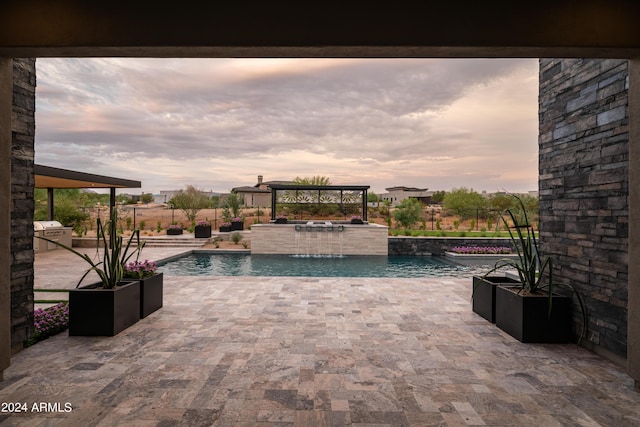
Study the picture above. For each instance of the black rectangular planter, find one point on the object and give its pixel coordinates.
(203, 232)
(484, 295)
(95, 311)
(151, 293)
(237, 226)
(174, 231)
(525, 317)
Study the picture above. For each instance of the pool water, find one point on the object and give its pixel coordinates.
(234, 264)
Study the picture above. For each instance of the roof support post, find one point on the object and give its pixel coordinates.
(50, 204)
(364, 205)
(273, 204)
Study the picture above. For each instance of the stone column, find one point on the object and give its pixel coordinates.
(6, 98)
(633, 331)
(22, 204)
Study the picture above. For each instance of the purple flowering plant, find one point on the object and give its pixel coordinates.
(236, 219)
(481, 250)
(140, 269)
(203, 224)
(225, 224)
(356, 217)
(174, 227)
(49, 321)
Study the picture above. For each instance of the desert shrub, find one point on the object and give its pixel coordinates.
(236, 237)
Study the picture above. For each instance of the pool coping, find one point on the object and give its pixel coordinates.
(202, 251)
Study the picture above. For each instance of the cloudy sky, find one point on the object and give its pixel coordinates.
(219, 123)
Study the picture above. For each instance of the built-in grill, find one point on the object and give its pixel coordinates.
(52, 230)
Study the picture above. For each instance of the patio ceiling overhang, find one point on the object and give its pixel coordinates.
(50, 177)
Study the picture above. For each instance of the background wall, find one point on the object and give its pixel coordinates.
(437, 246)
(584, 208)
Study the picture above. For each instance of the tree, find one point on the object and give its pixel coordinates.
(385, 211)
(146, 198)
(123, 198)
(372, 197)
(314, 180)
(437, 197)
(190, 201)
(408, 212)
(68, 204)
(501, 202)
(464, 202)
(67, 214)
(231, 207)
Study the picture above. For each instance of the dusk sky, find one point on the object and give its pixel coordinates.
(219, 123)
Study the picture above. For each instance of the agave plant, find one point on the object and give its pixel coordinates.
(531, 269)
(115, 256)
(535, 273)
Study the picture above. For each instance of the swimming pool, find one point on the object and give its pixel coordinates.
(242, 264)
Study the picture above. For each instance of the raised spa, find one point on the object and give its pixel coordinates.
(319, 238)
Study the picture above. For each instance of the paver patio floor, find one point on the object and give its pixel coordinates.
(306, 351)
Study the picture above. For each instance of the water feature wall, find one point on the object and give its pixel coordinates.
(319, 238)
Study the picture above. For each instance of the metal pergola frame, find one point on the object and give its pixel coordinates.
(341, 188)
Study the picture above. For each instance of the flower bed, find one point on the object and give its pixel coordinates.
(49, 321)
(140, 269)
(481, 250)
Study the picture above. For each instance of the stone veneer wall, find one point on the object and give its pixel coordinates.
(583, 162)
(368, 239)
(22, 160)
(437, 246)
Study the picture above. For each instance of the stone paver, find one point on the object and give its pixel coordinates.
(270, 351)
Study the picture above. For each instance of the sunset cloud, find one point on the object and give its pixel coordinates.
(218, 123)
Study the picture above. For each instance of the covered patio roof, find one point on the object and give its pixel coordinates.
(50, 177)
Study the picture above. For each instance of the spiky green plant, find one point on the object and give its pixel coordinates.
(535, 273)
(115, 255)
(529, 266)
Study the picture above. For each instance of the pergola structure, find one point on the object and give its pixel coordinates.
(51, 178)
(319, 195)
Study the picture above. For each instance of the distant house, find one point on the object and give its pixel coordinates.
(397, 194)
(258, 194)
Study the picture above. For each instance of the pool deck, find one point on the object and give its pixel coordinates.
(256, 351)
